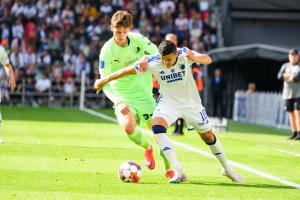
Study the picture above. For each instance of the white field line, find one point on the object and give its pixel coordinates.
(288, 152)
(101, 115)
(198, 151)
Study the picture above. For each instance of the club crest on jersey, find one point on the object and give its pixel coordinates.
(138, 49)
(172, 70)
(182, 66)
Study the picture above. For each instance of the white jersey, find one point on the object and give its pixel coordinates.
(3, 56)
(177, 85)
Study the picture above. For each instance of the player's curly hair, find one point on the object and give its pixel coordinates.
(122, 18)
(166, 47)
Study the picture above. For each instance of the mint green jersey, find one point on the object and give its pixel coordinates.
(131, 88)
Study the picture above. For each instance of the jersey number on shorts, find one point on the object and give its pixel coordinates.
(147, 116)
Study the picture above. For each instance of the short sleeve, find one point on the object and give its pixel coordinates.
(104, 62)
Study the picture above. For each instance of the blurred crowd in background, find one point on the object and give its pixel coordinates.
(49, 42)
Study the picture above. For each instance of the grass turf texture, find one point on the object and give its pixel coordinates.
(52, 153)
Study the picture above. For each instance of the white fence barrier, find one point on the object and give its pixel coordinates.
(262, 108)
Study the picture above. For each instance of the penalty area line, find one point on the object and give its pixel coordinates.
(204, 153)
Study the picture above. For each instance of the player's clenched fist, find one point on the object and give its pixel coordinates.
(189, 54)
(143, 64)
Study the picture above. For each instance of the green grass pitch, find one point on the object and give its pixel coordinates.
(53, 153)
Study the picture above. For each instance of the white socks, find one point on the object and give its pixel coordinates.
(167, 148)
(218, 151)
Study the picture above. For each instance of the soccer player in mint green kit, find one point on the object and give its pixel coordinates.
(132, 95)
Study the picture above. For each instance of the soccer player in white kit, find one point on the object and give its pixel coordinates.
(9, 71)
(179, 98)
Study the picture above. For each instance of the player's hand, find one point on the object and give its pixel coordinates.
(189, 54)
(12, 83)
(123, 108)
(288, 77)
(99, 83)
(143, 64)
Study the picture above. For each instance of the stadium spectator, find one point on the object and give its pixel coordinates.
(198, 74)
(5, 31)
(17, 9)
(42, 8)
(117, 4)
(17, 58)
(167, 5)
(17, 29)
(218, 87)
(181, 24)
(290, 74)
(30, 10)
(29, 90)
(106, 7)
(251, 88)
(43, 84)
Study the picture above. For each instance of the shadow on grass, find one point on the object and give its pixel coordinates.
(257, 129)
(52, 114)
(268, 186)
(240, 185)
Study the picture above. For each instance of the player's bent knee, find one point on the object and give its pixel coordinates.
(158, 129)
(129, 129)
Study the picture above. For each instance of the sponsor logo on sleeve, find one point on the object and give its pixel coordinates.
(101, 64)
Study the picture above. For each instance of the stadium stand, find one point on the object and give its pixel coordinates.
(54, 40)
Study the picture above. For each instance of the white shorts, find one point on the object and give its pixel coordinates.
(195, 117)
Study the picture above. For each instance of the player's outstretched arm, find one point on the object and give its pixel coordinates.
(198, 57)
(99, 83)
(139, 67)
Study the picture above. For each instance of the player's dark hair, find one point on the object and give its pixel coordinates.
(166, 47)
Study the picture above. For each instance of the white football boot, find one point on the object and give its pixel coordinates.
(232, 175)
(178, 177)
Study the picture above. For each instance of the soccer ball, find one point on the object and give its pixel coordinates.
(130, 172)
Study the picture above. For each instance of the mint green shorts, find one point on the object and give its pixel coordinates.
(143, 110)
